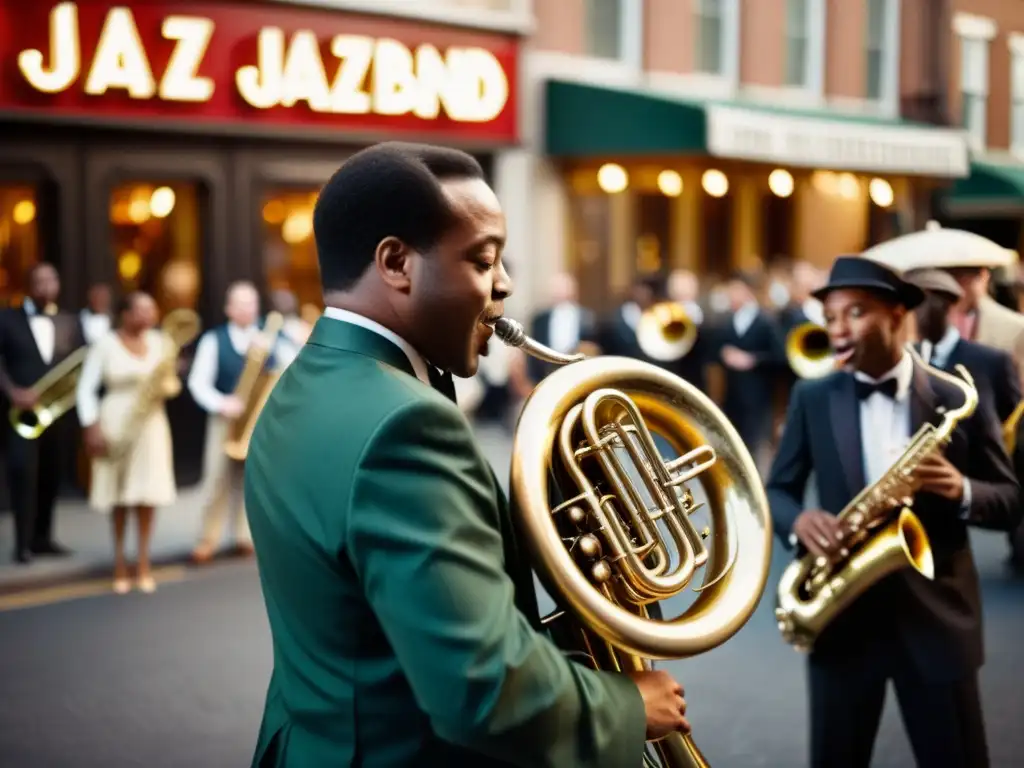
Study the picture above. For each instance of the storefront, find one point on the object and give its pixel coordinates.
(653, 182)
(990, 201)
(177, 146)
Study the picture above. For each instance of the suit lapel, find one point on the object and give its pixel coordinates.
(844, 412)
(30, 338)
(922, 399)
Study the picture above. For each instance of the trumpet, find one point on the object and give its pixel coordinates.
(809, 351)
(666, 332)
(55, 396)
(620, 537)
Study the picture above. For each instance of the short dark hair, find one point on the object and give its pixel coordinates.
(391, 189)
(127, 302)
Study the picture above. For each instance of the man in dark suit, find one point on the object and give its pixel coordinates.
(924, 635)
(34, 338)
(399, 592)
(751, 349)
(994, 371)
(563, 326)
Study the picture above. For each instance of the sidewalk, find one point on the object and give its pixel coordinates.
(88, 533)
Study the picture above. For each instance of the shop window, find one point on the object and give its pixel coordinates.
(716, 255)
(19, 240)
(289, 250)
(653, 217)
(156, 239)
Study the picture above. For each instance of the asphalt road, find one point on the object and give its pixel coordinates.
(177, 679)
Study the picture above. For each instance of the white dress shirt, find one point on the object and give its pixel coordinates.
(631, 313)
(419, 364)
(943, 348)
(564, 327)
(42, 329)
(203, 375)
(744, 317)
(814, 311)
(885, 426)
(94, 326)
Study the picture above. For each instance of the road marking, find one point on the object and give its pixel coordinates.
(77, 590)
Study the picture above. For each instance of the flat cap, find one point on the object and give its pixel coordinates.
(935, 281)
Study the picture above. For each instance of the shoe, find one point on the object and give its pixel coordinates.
(244, 550)
(202, 554)
(147, 584)
(23, 557)
(51, 548)
(122, 586)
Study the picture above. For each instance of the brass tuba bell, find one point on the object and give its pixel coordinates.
(56, 394)
(809, 351)
(666, 332)
(608, 517)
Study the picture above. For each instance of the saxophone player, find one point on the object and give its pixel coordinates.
(923, 635)
(121, 362)
(216, 369)
(400, 599)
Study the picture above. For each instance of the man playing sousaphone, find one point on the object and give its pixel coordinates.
(919, 627)
(216, 371)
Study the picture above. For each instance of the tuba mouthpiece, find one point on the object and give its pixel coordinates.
(512, 334)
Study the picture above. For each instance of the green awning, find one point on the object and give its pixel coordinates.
(588, 121)
(994, 185)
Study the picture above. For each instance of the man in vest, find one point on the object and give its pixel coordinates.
(220, 358)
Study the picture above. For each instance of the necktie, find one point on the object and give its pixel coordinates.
(442, 382)
(865, 389)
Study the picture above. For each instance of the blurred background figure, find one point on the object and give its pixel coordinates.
(119, 367)
(96, 317)
(617, 334)
(295, 330)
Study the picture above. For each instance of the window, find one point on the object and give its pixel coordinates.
(604, 28)
(875, 54)
(19, 240)
(974, 88)
(709, 33)
(797, 42)
(155, 235)
(1017, 93)
(289, 250)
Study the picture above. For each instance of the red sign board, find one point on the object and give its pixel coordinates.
(256, 64)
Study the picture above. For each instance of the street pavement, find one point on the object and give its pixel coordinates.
(178, 677)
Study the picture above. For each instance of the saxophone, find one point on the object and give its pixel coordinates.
(179, 328)
(253, 388)
(880, 533)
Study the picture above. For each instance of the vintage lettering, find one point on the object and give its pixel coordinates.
(181, 80)
(65, 54)
(356, 55)
(303, 77)
(260, 84)
(120, 60)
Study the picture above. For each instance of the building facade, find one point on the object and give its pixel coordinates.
(718, 134)
(976, 59)
(175, 147)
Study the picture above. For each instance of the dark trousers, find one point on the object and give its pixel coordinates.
(34, 471)
(943, 720)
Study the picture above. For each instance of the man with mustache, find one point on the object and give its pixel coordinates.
(924, 635)
(400, 597)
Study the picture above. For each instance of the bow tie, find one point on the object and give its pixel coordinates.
(865, 389)
(442, 382)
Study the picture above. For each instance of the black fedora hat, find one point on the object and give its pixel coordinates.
(868, 275)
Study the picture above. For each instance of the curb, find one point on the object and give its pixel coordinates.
(91, 571)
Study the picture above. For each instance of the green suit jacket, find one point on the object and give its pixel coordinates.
(401, 606)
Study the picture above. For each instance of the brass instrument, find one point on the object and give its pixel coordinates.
(809, 351)
(1010, 428)
(55, 396)
(880, 533)
(666, 332)
(253, 388)
(605, 552)
(179, 327)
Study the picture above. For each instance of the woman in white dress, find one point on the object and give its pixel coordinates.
(137, 474)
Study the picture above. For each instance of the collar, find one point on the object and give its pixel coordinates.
(33, 311)
(419, 364)
(944, 347)
(903, 372)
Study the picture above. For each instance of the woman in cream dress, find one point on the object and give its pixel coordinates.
(142, 478)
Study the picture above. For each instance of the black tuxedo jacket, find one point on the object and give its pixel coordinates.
(20, 361)
(747, 390)
(994, 374)
(540, 329)
(937, 621)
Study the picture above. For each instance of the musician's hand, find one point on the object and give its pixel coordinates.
(231, 407)
(95, 444)
(23, 399)
(663, 703)
(936, 475)
(737, 359)
(819, 531)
